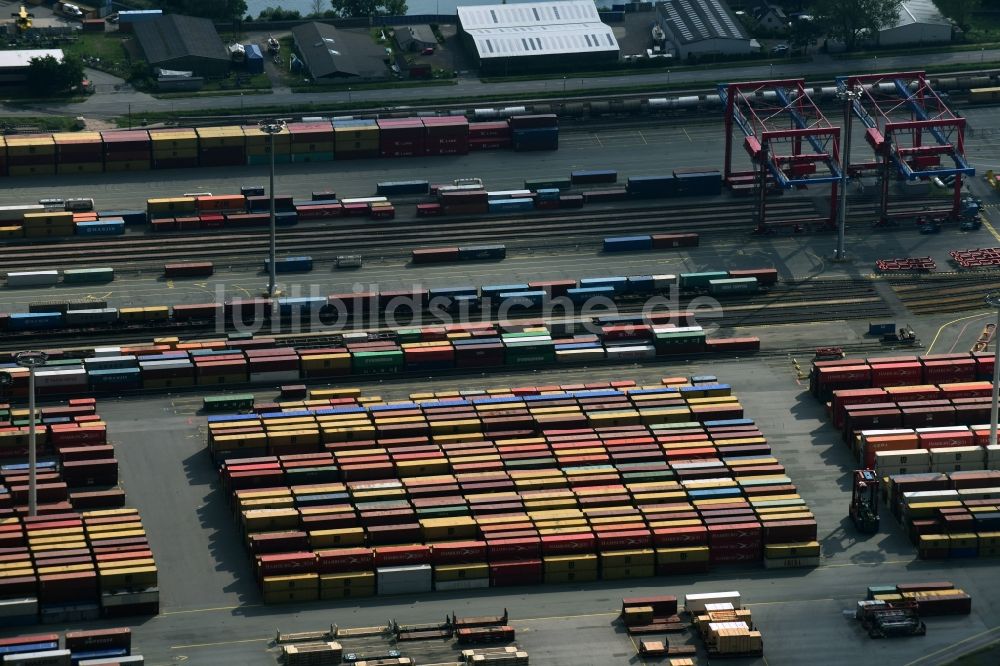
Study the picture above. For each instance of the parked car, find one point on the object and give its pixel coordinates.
(780, 49)
(428, 51)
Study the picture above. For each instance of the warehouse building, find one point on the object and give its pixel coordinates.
(14, 64)
(522, 37)
(183, 43)
(703, 27)
(329, 53)
(919, 22)
(415, 37)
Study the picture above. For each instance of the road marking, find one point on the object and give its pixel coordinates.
(946, 325)
(958, 338)
(206, 610)
(643, 138)
(220, 643)
(687, 135)
(951, 647)
(989, 227)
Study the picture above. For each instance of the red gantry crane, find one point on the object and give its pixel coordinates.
(912, 133)
(789, 141)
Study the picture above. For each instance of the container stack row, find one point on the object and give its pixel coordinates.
(83, 556)
(515, 486)
(86, 648)
(406, 351)
(234, 145)
(857, 373)
(932, 598)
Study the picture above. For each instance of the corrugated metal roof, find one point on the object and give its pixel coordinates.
(537, 28)
(23, 57)
(697, 20)
(174, 36)
(919, 11)
(528, 13)
(544, 40)
(328, 51)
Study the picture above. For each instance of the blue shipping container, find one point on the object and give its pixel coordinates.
(129, 216)
(595, 176)
(651, 186)
(493, 289)
(627, 243)
(641, 284)
(109, 227)
(403, 187)
(511, 205)
(30, 321)
(531, 299)
(287, 306)
(620, 284)
(290, 264)
(582, 294)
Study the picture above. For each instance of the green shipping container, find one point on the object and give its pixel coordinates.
(561, 183)
(442, 511)
(367, 363)
(215, 403)
(408, 335)
(701, 280)
(88, 275)
(733, 286)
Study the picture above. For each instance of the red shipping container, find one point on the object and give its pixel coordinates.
(341, 560)
(99, 639)
(286, 564)
(516, 572)
(936, 440)
(458, 552)
(507, 549)
(624, 540)
(896, 374)
(949, 371)
(844, 374)
(388, 556)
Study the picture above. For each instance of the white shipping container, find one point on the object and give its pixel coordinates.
(166, 364)
(148, 596)
(67, 377)
(114, 661)
(664, 281)
(918, 496)
(46, 658)
(579, 355)
(355, 336)
(707, 464)
(948, 466)
(904, 457)
(16, 213)
(944, 429)
(979, 493)
(631, 352)
(32, 278)
(464, 584)
(695, 603)
(276, 376)
(718, 608)
(404, 580)
(107, 351)
(967, 454)
(18, 607)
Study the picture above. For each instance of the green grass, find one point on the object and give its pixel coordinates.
(943, 48)
(636, 70)
(103, 51)
(375, 85)
(43, 123)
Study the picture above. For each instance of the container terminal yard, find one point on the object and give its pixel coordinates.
(790, 464)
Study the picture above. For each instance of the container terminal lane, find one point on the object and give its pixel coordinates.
(211, 608)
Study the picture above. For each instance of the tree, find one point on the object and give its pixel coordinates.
(316, 7)
(365, 8)
(850, 20)
(48, 76)
(959, 11)
(803, 34)
(278, 14)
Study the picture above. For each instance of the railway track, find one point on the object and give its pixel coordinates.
(787, 303)
(347, 235)
(941, 294)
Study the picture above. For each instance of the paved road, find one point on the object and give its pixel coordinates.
(822, 68)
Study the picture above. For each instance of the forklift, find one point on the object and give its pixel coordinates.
(864, 501)
(892, 619)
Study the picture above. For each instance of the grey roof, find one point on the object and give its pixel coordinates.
(697, 20)
(328, 51)
(420, 33)
(537, 28)
(918, 11)
(173, 36)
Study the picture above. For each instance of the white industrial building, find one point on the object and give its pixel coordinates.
(14, 64)
(702, 27)
(504, 39)
(919, 22)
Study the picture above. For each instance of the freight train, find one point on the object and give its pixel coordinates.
(526, 297)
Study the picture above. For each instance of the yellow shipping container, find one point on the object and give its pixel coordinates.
(685, 554)
(444, 572)
(18, 146)
(564, 563)
(318, 394)
(66, 569)
(267, 520)
(228, 136)
(346, 536)
(628, 558)
(458, 527)
(128, 577)
(308, 581)
(348, 434)
(352, 579)
(787, 550)
(325, 361)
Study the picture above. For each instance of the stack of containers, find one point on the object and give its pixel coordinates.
(538, 132)
(258, 146)
(354, 139)
(697, 182)
(127, 574)
(167, 370)
(311, 142)
(223, 367)
(31, 155)
(651, 187)
(222, 146)
(79, 152)
(401, 137)
(3, 157)
(43, 225)
(489, 136)
(174, 148)
(508, 483)
(127, 150)
(273, 365)
(468, 202)
(446, 135)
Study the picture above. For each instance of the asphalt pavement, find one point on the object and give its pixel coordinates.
(822, 68)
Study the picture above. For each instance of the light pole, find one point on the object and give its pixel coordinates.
(993, 300)
(32, 360)
(272, 127)
(564, 84)
(849, 96)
